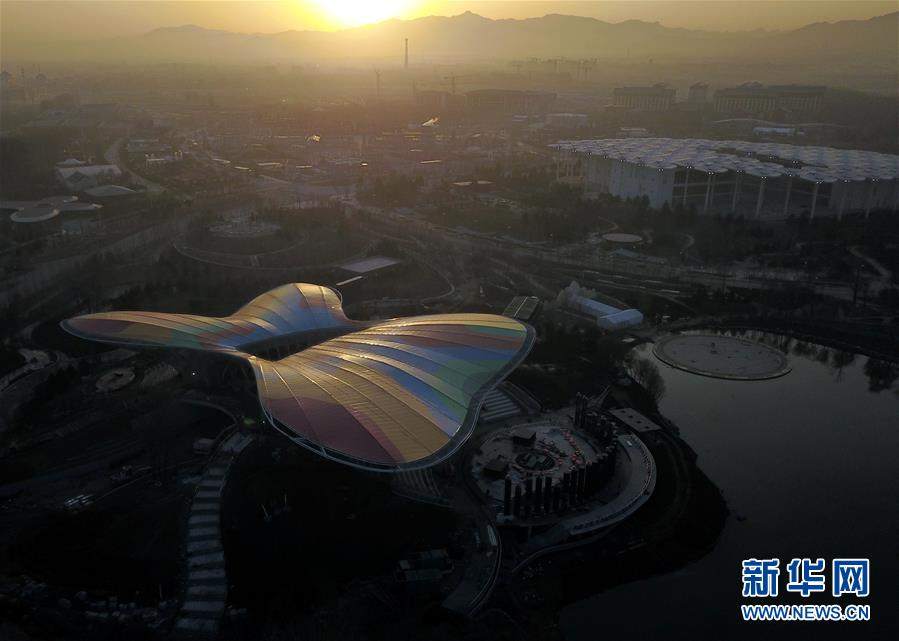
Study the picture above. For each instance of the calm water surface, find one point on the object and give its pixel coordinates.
(810, 463)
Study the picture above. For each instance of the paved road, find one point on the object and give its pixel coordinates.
(113, 156)
(530, 253)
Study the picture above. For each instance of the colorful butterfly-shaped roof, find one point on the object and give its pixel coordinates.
(395, 394)
(289, 309)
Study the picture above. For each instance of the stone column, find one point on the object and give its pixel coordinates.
(758, 203)
(787, 199)
(845, 184)
(708, 192)
(737, 181)
(868, 197)
(814, 199)
(538, 494)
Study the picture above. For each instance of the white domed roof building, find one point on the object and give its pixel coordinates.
(768, 181)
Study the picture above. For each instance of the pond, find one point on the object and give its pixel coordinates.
(808, 466)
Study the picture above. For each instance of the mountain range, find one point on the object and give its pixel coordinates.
(470, 37)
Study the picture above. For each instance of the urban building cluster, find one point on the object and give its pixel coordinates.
(792, 103)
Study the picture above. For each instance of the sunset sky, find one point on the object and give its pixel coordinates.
(76, 19)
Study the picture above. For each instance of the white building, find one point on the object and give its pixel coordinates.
(758, 180)
(606, 316)
(81, 177)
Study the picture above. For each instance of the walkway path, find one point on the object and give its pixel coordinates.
(481, 571)
(207, 585)
(885, 280)
(34, 360)
(875, 264)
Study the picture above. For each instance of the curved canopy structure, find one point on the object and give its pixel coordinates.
(286, 310)
(390, 395)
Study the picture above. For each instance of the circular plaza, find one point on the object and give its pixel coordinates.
(622, 238)
(244, 226)
(724, 357)
(115, 379)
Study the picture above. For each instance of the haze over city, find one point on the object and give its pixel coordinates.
(269, 16)
(506, 321)
(46, 21)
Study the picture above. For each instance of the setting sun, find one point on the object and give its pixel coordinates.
(352, 13)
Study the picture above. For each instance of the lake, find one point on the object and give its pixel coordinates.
(809, 466)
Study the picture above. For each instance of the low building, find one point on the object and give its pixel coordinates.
(698, 94)
(583, 301)
(82, 177)
(634, 420)
(145, 146)
(506, 102)
(100, 120)
(524, 436)
(369, 266)
(522, 307)
(567, 120)
(42, 211)
(606, 316)
(71, 162)
(472, 185)
(155, 160)
(496, 468)
(658, 97)
(436, 101)
(755, 100)
(434, 559)
(109, 191)
(422, 581)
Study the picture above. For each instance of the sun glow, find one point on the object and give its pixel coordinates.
(352, 13)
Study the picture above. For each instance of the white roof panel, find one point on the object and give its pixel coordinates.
(821, 164)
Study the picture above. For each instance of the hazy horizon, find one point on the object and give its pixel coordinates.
(91, 30)
(54, 20)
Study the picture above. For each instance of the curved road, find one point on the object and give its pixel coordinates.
(113, 156)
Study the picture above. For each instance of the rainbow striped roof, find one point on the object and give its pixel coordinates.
(390, 395)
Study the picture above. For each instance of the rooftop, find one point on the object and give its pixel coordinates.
(755, 88)
(39, 211)
(67, 172)
(402, 393)
(369, 264)
(769, 160)
(658, 89)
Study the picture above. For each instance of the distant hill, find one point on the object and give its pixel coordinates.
(469, 37)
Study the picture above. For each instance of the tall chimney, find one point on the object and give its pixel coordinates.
(406, 65)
